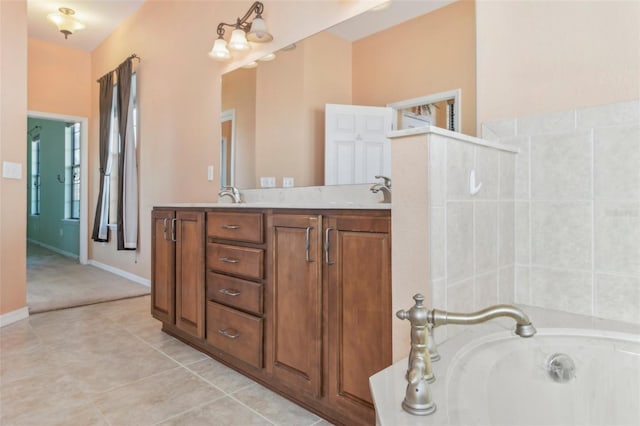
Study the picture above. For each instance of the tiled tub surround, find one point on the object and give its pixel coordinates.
(577, 209)
(468, 240)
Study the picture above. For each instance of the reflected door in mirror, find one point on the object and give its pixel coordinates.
(356, 146)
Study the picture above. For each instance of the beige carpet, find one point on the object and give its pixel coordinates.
(57, 282)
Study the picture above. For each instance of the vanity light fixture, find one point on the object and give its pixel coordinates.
(65, 21)
(243, 32)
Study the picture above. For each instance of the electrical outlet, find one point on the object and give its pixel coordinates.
(268, 182)
(287, 182)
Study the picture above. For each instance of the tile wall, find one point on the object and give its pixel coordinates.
(577, 209)
(471, 236)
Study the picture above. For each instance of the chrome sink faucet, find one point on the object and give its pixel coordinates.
(232, 192)
(385, 187)
(418, 399)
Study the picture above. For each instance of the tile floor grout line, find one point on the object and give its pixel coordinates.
(173, 416)
(252, 409)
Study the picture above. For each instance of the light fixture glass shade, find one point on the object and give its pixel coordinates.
(66, 23)
(238, 40)
(258, 32)
(219, 50)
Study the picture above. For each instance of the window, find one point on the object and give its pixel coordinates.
(35, 176)
(72, 172)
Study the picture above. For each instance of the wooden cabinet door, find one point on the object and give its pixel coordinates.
(190, 272)
(296, 302)
(163, 269)
(357, 271)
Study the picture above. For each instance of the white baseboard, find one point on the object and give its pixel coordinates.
(14, 316)
(132, 277)
(56, 249)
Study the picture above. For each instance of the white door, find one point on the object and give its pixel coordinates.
(356, 146)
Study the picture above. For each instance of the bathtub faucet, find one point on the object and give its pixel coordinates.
(524, 328)
(418, 400)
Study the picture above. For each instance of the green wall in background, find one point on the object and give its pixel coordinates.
(50, 228)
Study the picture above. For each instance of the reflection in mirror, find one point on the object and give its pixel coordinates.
(280, 105)
(227, 148)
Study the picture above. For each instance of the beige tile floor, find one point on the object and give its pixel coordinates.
(109, 364)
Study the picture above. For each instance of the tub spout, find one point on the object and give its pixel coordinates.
(524, 328)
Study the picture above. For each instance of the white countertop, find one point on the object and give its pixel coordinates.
(311, 197)
(323, 205)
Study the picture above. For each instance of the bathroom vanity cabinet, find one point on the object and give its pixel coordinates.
(299, 300)
(177, 271)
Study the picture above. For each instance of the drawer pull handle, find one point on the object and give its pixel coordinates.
(230, 226)
(231, 333)
(228, 260)
(231, 292)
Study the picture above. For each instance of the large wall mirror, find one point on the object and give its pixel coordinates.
(428, 52)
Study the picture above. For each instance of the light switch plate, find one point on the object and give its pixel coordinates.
(11, 170)
(210, 173)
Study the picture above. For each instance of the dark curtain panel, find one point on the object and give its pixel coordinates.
(106, 105)
(124, 93)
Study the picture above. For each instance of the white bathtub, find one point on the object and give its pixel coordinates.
(489, 376)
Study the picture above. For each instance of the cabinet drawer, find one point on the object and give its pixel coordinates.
(235, 226)
(235, 333)
(235, 292)
(243, 261)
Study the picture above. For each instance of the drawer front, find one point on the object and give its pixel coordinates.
(242, 261)
(235, 292)
(235, 333)
(235, 226)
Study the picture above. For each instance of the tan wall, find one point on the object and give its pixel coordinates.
(328, 79)
(59, 79)
(239, 93)
(13, 128)
(549, 56)
(291, 93)
(429, 54)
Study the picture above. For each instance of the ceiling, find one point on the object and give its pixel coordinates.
(375, 21)
(101, 18)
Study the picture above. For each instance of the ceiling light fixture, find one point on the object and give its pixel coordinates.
(65, 21)
(244, 32)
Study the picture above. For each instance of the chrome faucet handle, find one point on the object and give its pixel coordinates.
(387, 180)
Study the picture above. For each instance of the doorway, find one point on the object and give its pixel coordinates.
(57, 193)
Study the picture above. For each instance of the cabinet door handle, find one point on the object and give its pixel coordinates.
(327, 246)
(173, 229)
(231, 333)
(307, 245)
(228, 292)
(228, 260)
(164, 227)
(230, 226)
